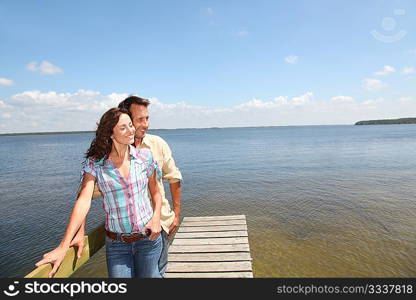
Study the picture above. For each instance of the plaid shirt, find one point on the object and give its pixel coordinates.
(126, 200)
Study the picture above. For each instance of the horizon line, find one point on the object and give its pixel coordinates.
(181, 128)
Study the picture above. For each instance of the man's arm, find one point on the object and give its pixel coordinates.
(176, 192)
(172, 174)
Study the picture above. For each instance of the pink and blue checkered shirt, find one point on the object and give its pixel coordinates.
(126, 200)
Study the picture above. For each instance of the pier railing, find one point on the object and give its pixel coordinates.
(92, 243)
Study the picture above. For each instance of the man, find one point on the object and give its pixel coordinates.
(162, 154)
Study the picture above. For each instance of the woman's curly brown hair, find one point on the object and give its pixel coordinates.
(102, 143)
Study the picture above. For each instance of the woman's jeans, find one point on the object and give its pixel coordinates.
(133, 260)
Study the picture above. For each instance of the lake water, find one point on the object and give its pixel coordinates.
(320, 201)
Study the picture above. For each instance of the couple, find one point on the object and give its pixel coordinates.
(126, 164)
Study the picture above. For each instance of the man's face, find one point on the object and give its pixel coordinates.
(140, 117)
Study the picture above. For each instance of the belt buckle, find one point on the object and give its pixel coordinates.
(127, 235)
(130, 235)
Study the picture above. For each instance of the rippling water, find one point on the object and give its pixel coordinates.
(320, 201)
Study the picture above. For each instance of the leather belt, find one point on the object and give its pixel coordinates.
(127, 237)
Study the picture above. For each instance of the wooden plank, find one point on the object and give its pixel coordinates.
(209, 248)
(92, 243)
(217, 241)
(212, 228)
(214, 218)
(207, 257)
(210, 275)
(213, 223)
(230, 266)
(188, 235)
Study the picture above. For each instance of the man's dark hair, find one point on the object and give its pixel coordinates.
(126, 103)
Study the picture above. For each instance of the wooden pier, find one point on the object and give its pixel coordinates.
(215, 247)
(211, 247)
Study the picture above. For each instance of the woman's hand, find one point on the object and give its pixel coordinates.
(55, 257)
(78, 242)
(154, 226)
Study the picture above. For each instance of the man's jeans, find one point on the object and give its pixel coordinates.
(133, 260)
(163, 260)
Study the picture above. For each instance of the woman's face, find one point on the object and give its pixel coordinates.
(123, 132)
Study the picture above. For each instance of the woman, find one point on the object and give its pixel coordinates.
(123, 174)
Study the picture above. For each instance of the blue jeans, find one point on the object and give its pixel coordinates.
(133, 260)
(163, 260)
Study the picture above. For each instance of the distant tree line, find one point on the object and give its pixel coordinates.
(388, 121)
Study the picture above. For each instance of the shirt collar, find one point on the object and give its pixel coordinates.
(133, 154)
(145, 141)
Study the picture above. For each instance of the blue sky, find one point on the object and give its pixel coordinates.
(206, 63)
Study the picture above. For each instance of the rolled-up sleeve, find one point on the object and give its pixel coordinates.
(88, 167)
(169, 170)
(152, 167)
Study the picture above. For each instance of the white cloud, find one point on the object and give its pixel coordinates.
(4, 105)
(408, 70)
(44, 67)
(372, 84)
(303, 99)
(280, 99)
(82, 100)
(32, 111)
(256, 104)
(277, 102)
(376, 103)
(5, 82)
(209, 11)
(298, 110)
(48, 68)
(386, 70)
(53, 111)
(291, 59)
(342, 99)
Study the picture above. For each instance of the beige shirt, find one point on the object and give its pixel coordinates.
(163, 155)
